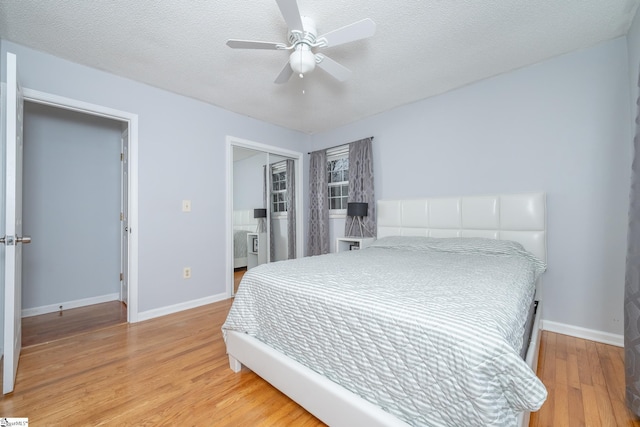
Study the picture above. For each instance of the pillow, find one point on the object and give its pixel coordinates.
(460, 245)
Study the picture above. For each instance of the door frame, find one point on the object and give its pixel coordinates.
(131, 121)
(124, 215)
(232, 141)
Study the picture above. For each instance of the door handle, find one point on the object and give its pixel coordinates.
(10, 241)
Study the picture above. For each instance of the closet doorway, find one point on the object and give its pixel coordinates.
(72, 192)
(263, 181)
(80, 206)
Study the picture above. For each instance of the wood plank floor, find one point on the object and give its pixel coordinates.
(174, 370)
(585, 382)
(171, 370)
(54, 326)
(237, 277)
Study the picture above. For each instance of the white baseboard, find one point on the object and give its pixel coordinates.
(584, 333)
(163, 311)
(547, 325)
(28, 312)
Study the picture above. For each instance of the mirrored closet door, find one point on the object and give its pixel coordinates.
(264, 209)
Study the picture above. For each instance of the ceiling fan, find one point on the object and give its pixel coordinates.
(303, 40)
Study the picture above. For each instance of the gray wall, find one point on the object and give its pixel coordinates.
(181, 156)
(71, 203)
(561, 126)
(248, 182)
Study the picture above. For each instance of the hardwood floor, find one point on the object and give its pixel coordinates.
(585, 382)
(53, 326)
(237, 277)
(171, 370)
(174, 370)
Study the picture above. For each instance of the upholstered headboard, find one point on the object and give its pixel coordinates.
(244, 220)
(518, 217)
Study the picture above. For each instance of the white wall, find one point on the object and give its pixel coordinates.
(561, 126)
(280, 237)
(336, 229)
(71, 204)
(181, 156)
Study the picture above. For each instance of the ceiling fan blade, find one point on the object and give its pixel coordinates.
(254, 44)
(337, 71)
(291, 14)
(349, 33)
(285, 74)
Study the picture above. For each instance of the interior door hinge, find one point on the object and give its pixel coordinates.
(121, 277)
(121, 216)
(121, 156)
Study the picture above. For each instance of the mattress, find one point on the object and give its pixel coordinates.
(429, 330)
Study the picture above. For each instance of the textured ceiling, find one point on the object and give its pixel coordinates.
(421, 47)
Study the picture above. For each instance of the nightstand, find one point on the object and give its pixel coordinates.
(352, 243)
(256, 249)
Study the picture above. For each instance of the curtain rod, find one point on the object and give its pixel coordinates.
(339, 145)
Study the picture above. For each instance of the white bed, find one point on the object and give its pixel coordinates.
(243, 223)
(520, 218)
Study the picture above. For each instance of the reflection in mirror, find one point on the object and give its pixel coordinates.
(278, 207)
(263, 183)
(249, 242)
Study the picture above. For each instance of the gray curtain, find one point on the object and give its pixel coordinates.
(267, 204)
(291, 209)
(318, 237)
(262, 222)
(361, 184)
(632, 283)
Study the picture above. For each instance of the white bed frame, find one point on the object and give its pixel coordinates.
(518, 217)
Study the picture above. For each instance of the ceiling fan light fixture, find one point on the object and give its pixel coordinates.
(302, 60)
(302, 37)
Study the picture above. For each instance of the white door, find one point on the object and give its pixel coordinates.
(13, 228)
(124, 287)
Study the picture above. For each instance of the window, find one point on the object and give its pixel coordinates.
(338, 179)
(279, 188)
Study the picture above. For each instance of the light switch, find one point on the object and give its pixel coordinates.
(186, 206)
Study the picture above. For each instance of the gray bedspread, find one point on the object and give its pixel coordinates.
(427, 329)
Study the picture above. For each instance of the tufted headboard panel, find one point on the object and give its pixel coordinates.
(518, 217)
(244, 220)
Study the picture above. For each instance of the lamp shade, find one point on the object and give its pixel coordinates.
(259, 213)
(357, 209)
(302, 60)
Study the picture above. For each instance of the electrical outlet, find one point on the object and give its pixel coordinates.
(186, 206)
(186, 273)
